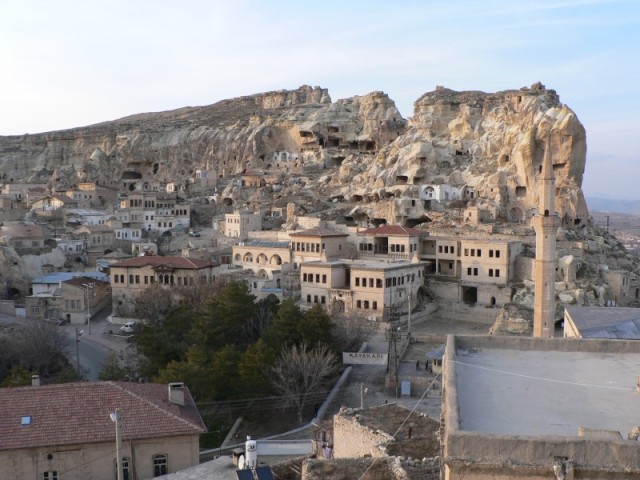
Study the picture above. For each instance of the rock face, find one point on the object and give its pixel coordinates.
(480, 149)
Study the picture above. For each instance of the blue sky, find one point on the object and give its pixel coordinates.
(74, 63)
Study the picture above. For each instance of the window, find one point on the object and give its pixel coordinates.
(304, 277)
(315, 299)
(366, 304)
(324, 278)
(308, 298)
(497, 272)
(375, 305)
(50, 475)
(323, 299)
(490, 253)
(378, 283)
(479, 252)
(473, 252)
(359, 304)
(469, 271)
(439, 248)
(160, 465)
(497, 253)
(491, 272)
(125, 468)
(357, 281)
(475, 272)
(35, 309)
(371, 282)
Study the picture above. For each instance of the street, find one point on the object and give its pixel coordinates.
(91, 353)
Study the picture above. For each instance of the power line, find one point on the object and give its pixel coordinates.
(402, 424)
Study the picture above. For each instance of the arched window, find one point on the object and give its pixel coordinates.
(160, 463)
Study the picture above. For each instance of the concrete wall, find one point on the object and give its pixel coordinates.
(479, 456)
(97, 461)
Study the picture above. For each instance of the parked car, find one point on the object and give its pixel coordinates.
(129, 327)
(194, 234)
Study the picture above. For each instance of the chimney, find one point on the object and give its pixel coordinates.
(176, 393)
(35, 380)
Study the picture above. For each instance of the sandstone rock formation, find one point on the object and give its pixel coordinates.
(481, 149)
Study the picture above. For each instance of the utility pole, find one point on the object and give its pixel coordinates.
(362, 396)
(115, 417)
(607, 217)
(77, 351)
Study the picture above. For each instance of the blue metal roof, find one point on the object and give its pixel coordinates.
(57, 277)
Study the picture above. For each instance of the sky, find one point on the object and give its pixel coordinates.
(67, 64)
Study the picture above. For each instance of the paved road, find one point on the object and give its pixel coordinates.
(92, 348)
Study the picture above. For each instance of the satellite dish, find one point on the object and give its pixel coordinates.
(241, 462)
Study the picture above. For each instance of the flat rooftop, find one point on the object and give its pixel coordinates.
(537, 387)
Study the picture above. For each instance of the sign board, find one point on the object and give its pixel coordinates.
(354, 358)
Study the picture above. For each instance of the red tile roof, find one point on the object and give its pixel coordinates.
(393, 230)
(318, 232)
(78, 413)
(171, 262)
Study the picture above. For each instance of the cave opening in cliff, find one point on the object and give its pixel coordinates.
(402, 179)
(377, 222)
(413, 222)
(357, 198)
(521, 191)
(417, 180)
(156, 167)
(333, 142)
(13, 292)
(470, 295)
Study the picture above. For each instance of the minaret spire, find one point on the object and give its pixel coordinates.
(546, 224)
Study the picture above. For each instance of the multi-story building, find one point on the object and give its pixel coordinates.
(371, 287)
(239, 223)
(68, 296)
(131, 277)
(392, 241)
(262, 257)
(317, 244)
(67, 431)
(151, 212)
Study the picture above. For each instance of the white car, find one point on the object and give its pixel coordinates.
(128, 327)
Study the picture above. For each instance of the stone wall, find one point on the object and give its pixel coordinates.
(353, 440)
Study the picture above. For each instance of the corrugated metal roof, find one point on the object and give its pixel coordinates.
(606, 322)
(57, 277)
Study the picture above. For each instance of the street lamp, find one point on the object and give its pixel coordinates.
(88, 286)
(115, 417)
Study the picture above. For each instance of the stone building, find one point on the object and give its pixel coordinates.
(65, 431)
(370, 287)
(131, 277)
(540, 408)
(239, 223)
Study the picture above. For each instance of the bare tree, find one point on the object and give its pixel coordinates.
(153, 303)
(300, 372)
(39, 347)
(350, 330)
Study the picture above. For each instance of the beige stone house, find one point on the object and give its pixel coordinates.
(393, 241)
(264, 258)
(132, 276)
(317, 244)
(67, 297)
(23, 236)
(239, 223)
(65, 431)
(368, 287)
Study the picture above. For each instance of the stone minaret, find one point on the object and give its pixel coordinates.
(546, 224)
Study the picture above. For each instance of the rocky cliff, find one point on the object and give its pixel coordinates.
(481, 149)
